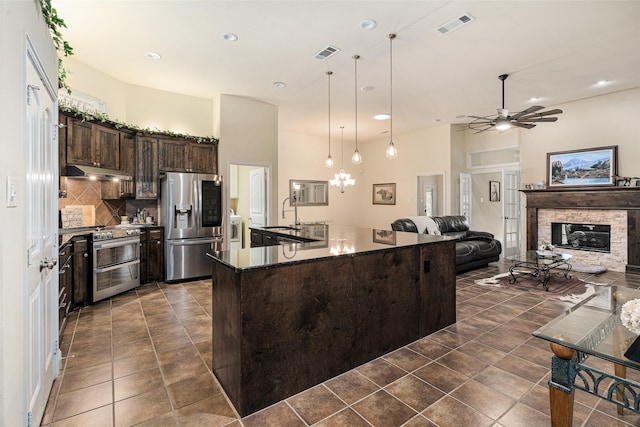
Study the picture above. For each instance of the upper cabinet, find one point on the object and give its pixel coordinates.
(146, 167)
(91, 144)
(204, 158)
(180, 155)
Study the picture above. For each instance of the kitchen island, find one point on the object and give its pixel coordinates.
(290, 316)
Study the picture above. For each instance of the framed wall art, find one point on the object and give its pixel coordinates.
(494, 191)
(588, 167)
(384, 194)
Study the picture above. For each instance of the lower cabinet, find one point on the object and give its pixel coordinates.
(155, 254)
(82, 277)
(65, 284)
(152, 255)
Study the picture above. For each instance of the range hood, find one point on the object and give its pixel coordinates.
(90, 172)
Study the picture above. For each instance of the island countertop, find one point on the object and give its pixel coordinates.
(329, 241)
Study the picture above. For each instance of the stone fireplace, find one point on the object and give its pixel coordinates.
(593, 214)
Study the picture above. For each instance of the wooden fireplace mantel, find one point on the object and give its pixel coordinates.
(615, 198)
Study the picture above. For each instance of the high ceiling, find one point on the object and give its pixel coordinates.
(554, 50)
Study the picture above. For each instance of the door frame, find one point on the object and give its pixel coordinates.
(227, 197)
(442, 197)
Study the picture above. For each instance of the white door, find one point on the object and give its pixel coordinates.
(511, 212)
(257, 198)
(465, 196)
(41, 352)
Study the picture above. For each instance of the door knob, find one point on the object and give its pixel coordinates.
(48, 263)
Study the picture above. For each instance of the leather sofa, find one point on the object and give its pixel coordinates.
(473, 248)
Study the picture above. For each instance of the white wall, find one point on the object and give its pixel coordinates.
(594, 122)
(249, 135)
(142, 106)
(302, 157)
(17, 20)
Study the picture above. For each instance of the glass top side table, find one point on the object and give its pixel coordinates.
(538, 264)
(592, 328)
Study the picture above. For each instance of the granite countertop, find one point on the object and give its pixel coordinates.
(333, 241)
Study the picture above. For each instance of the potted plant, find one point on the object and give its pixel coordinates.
(546, 249)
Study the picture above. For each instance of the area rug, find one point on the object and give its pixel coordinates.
(572, 290)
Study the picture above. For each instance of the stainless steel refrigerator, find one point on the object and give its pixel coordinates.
(190, 210)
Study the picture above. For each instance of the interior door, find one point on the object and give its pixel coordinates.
(511, 212)
(465, 195)
(41, 352)
(257, 198)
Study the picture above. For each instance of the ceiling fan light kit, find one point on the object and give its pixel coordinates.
(502, 121)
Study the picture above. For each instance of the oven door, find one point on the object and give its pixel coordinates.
(116, 266)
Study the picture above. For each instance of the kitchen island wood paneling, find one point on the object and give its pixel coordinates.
(291, 316)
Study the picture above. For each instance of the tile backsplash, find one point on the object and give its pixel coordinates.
(108, 212)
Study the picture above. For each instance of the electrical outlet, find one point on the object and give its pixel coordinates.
(12, 192)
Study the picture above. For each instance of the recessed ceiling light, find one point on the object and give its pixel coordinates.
(367, 88)
(534, 99)
(383, 116)
(230, 37)
(153, 55)
(603, 83)
(368, 24)
(279, 85)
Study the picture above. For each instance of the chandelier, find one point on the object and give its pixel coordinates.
(342, 179)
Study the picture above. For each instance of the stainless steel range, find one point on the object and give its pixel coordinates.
(116, 261)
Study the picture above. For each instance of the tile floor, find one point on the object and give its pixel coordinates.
(144, 358)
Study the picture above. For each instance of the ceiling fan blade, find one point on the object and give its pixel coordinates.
(523, 125)
(546, 113)
(480, 118)
(527, 111)
(538, 120)
(483, 130)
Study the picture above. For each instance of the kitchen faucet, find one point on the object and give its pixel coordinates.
(294, 198)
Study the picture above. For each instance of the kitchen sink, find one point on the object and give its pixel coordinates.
(280, 228)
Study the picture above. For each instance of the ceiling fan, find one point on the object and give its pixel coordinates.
(502, 121)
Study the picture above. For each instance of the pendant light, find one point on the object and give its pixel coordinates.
(391, 152)
(342, 179)
(329, 161)
(356, 159)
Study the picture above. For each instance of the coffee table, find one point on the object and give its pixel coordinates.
(591, 329)
(536, 263)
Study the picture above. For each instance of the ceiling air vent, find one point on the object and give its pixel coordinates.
(455, 24)
(326, 53)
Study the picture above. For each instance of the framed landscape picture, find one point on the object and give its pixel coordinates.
(384, 194)
(589, 167)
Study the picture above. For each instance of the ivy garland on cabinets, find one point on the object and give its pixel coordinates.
(55, 23)
(103, 118)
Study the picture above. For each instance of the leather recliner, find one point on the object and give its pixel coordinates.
(474, 249)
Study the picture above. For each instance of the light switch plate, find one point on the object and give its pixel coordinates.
(12, 192)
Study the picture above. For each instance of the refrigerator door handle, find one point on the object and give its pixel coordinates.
(199, 241)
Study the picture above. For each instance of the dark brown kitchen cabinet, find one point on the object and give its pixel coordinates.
(152, 255)
(204, 158)
(106, 145)
(123, 189)
(81, 271)
(146, 177)
(179, 155)
(79, 144)
(91, 144)
(155, 254)
(65, 284)
(62, 155)
(174, 155)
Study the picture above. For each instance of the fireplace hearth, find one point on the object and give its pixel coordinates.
(581, 237)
